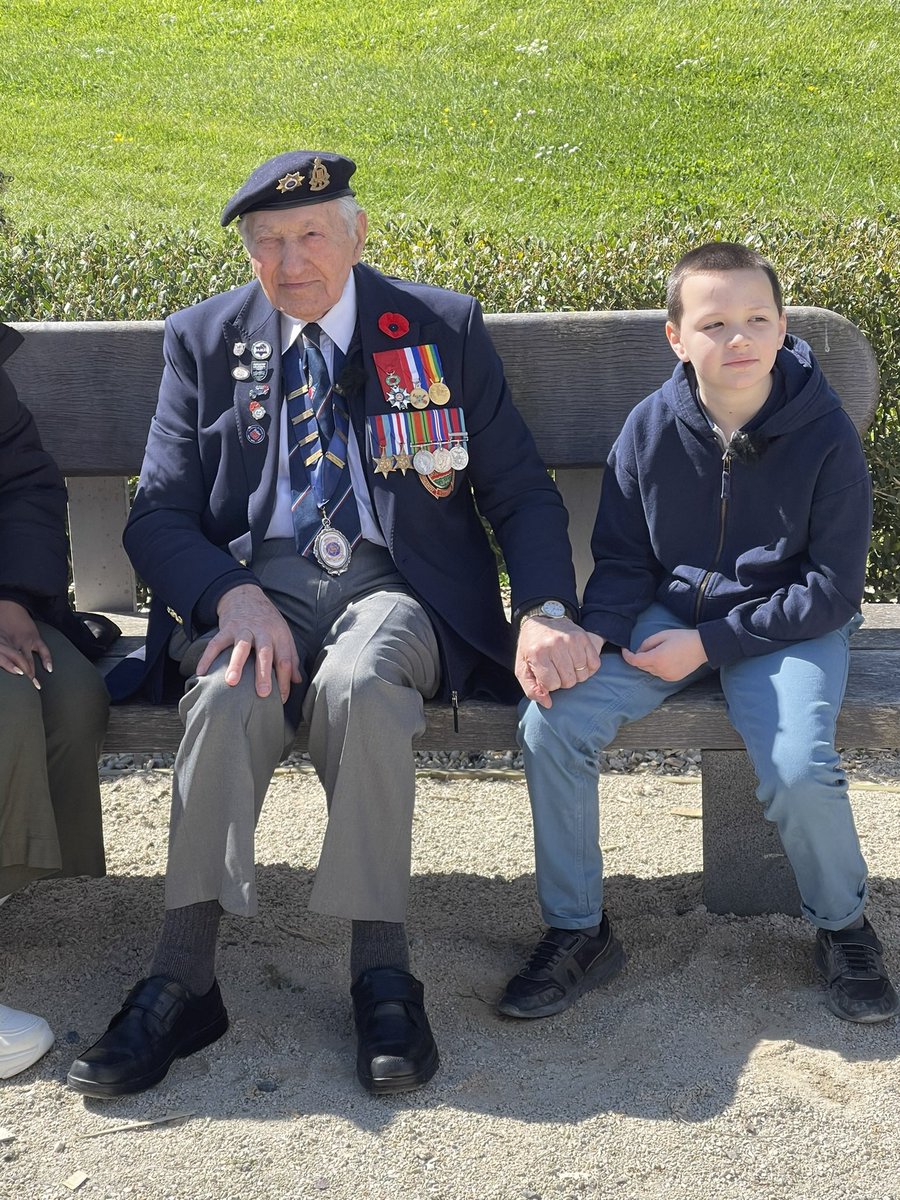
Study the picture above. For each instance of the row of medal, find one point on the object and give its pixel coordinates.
(432, 442)
(412, 377)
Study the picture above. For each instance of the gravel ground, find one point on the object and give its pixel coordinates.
(709, 1069)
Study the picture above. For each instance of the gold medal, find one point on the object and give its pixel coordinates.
(418, 397)
(384, 464)
(402, 462)
(439, 392)
(442, 461)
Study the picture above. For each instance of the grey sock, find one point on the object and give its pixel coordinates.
(378, 944)
(186, 951)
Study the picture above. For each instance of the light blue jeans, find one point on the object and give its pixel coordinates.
(784, 705)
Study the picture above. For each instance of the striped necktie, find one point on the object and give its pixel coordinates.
(319, 428)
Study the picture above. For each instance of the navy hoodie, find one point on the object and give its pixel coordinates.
(756, 546)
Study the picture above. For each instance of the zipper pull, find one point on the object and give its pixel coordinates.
(454, 699)
(726, 475)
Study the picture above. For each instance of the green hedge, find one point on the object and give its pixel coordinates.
(852, 267)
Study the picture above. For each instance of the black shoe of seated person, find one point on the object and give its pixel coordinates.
(396, 1051)
(159, 1021)
(856, 982)
(563, 965)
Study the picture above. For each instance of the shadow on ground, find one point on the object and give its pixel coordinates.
(669, 1038)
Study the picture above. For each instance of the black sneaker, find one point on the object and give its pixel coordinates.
(564, 963)
(857, 985)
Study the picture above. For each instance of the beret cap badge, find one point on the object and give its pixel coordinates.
(319, 177)
(287, 183)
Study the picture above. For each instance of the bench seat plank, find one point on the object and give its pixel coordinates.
(694, 718)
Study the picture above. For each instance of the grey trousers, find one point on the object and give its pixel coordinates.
(50, 741)
(368, 655)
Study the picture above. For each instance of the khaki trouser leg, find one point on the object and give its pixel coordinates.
(233, 740)
(364, 707)
(50, 741)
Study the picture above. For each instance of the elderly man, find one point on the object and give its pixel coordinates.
(306, 519)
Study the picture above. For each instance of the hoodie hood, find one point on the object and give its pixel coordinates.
(800, 394)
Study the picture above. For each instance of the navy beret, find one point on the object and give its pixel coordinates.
(291, 179)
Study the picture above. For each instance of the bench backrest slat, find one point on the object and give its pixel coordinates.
(92, 386)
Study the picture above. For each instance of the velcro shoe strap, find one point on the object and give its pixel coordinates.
(160, 997)
(385, 984)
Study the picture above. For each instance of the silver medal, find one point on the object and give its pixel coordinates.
(423, 461)
(240, 372)
(442, 460)
(459, 457)
(261, 350)
(332, 550)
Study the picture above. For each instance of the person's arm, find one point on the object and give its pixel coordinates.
(626, 571)
(516, 495)
(165, 536)
(833, 571)
(169, 547)
(33, 548)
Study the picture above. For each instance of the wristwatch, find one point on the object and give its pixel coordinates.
(555, 610)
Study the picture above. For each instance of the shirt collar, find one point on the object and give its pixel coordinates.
(339, 322)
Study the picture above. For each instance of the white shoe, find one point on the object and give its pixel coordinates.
(24, 1038)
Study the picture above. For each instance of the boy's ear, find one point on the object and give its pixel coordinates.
(674, 336)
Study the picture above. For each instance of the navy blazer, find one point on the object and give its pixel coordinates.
(206, 492)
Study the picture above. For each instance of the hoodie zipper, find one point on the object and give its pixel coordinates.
(724, 497)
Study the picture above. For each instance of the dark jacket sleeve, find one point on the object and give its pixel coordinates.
(512, 487)
(33, 550)
(626, 572)
(165, 535)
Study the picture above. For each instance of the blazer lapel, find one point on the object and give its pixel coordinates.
(259, 429)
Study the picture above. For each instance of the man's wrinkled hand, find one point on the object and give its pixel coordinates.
(20, 641)
(672, 654)
(250, 622)
(554, 654)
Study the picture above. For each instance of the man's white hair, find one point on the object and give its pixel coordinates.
(346, 205)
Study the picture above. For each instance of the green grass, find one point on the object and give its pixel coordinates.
(541, 118)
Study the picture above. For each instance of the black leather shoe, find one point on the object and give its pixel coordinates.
(857, 985)
(564, 964)
(396, 1050)
(159, 1022)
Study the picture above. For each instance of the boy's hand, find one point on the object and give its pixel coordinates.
(554, 654)
(671, 654)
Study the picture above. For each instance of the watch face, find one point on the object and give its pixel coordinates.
(553, 608)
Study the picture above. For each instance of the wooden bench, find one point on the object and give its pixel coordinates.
(92, 388)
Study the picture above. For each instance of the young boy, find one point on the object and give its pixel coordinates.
(732, 536)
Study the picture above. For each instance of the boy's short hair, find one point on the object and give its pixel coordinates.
(716, 256)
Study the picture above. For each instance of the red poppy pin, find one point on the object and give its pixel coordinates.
(395, 325)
